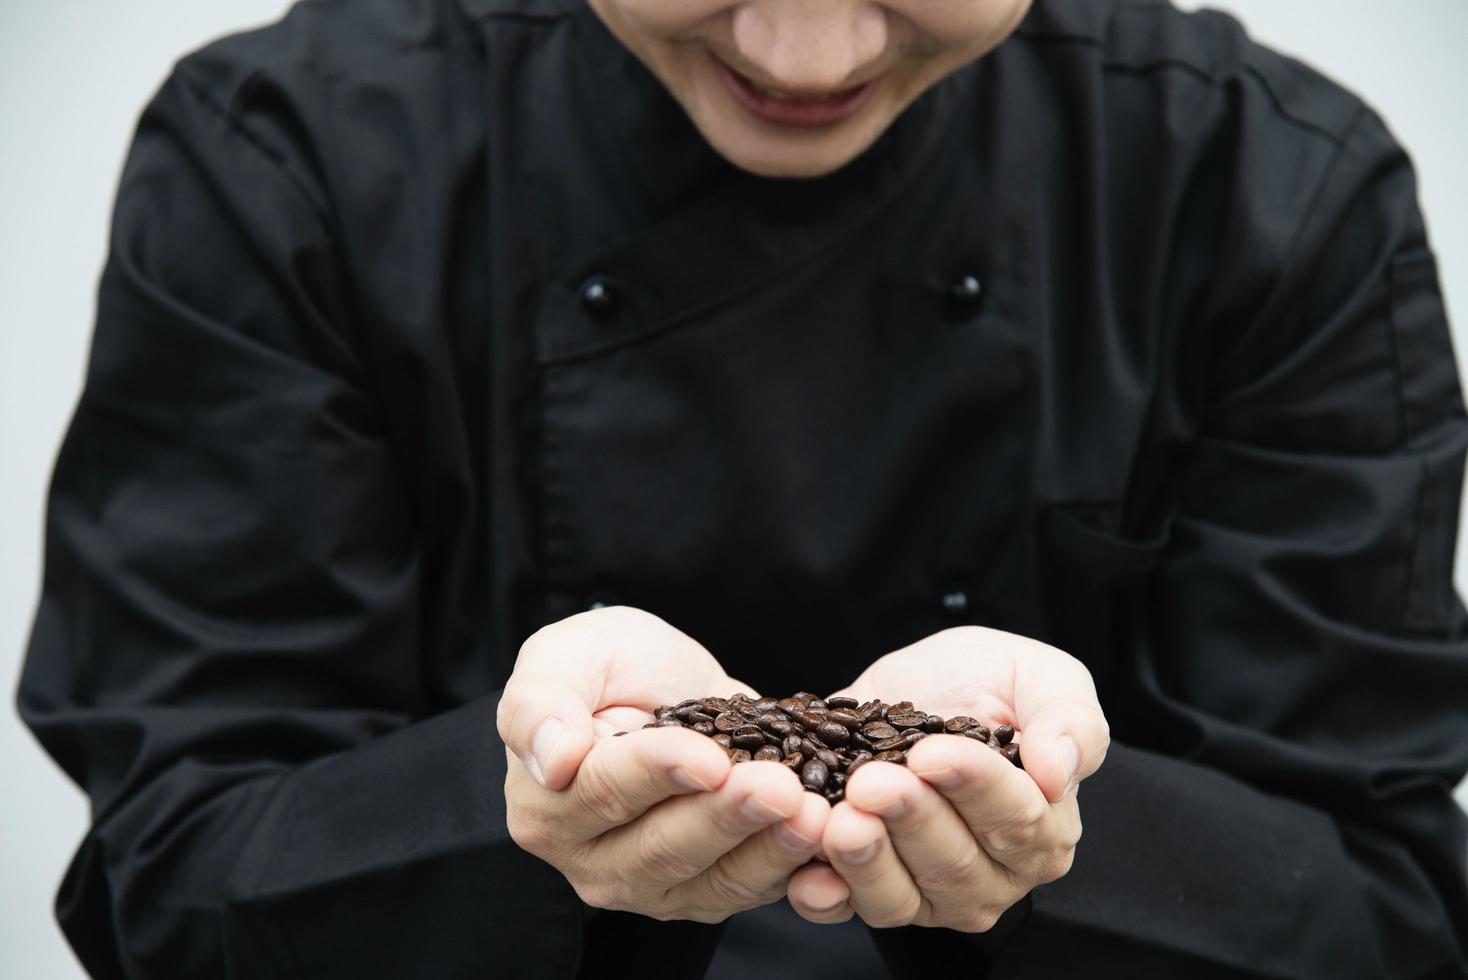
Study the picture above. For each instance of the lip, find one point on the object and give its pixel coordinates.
(801, 113)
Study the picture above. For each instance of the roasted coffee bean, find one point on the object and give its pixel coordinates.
(749, 737)
(814, 774)
(833, 734)
(823, 740)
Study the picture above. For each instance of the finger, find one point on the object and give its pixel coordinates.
(965, 888)
(569, 669)
(758, 870)
(544, 714)
(1004, 809)
(682, 837)
(817, 894)
(622, 778)
(619, 718)
(1065, 734)
(883, 894)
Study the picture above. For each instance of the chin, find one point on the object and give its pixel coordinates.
(793, 158)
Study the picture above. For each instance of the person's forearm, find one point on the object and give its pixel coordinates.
(1205, 875)
(389, 859)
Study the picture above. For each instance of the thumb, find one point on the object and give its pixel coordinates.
(1063, 741)
(547, 723)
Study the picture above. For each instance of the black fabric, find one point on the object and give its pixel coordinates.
(348, 436)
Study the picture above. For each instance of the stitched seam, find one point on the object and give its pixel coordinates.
(1419, 519)
(1393, 331)
(262, 149)
(1243, 70)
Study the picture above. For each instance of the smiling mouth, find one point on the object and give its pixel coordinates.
(786, 109)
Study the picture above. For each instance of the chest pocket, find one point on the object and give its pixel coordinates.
(794, 426)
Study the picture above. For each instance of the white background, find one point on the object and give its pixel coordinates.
(74, 75)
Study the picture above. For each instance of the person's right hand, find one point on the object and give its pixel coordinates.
(657, 821)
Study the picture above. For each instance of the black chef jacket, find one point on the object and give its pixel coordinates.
(354, 426)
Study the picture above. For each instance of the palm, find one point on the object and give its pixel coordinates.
(946, 674)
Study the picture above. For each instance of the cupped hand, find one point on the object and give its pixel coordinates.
(960, 835)
(656, 821)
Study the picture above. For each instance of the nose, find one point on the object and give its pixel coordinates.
(809, 47)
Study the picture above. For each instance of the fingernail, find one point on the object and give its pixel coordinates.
(946, 776)
(789, 839)
(543, 746)
(688, 780)
(892, 810)
(757, 809)
(1070, 760)
(859, 856)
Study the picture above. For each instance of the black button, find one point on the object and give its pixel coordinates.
(597, 296)
(955, 602)
(966, 291)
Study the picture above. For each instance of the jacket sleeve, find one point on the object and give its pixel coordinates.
(1295, 711)
(226, 650)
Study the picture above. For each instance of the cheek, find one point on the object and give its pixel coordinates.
(668, 19)
(959, 24)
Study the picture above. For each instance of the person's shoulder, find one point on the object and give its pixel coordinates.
(1199, 48)
(320, 42)
(330, 96)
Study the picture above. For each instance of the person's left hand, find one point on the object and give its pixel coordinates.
(960, 834)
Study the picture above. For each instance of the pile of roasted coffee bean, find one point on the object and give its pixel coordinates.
(824, 740)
